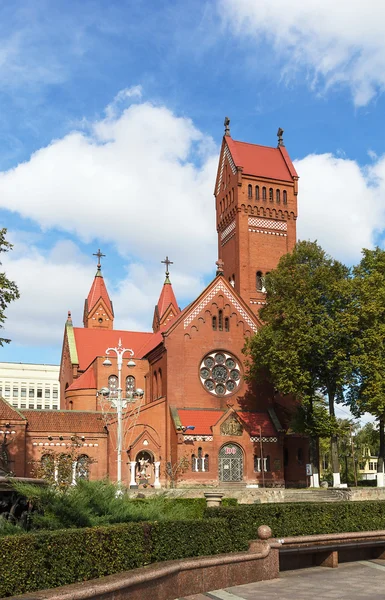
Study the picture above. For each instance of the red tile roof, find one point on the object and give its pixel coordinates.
(98, 290)
(166, 298)
(8, 412)
(66, 421)
(91, 343)
(152, 342)
(204, 420)
(262, 161)
(86, 381)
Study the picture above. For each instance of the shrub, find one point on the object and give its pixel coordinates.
(95, 503)
(290, 519)
(43, 560)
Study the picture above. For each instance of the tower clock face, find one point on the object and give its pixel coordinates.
(220, 373)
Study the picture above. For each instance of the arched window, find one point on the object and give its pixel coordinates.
(113, 386)
(220, 320)
(271, 198)
(206, 462)
(257, 192)
(160, 383)
(257, 464)
(259, 281)
(278, 196)
(300, 456)
(155, 386)
(250, 191)
(284, 196)
(266, 464)
(82, 467)
(64, 471)
(130, 383)
(263, 193)
(47, 463)
(227, 324)
(193, 462)
(214, 322)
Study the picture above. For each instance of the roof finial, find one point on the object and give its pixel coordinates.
(167, 262)
(227, 126)
(220, 266)
(280, 137)
(69, 318)
(99, 255)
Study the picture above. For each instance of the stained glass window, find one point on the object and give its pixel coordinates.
(220, 373)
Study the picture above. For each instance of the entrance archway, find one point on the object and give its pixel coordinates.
(230, 463)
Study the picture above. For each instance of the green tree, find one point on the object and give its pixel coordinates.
(367, 437)
(8, 288)
(305, 344)
(367, 393)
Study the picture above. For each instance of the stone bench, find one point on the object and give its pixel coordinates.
(329, 549)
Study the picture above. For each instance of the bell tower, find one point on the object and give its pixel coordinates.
(256, 210)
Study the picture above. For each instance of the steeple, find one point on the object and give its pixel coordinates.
(167, 306)
(98, 310)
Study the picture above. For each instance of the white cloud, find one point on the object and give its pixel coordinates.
(132, 180)
(341, 42)
(50, 284)
(113, 109)
(340, 204)
(143, 180)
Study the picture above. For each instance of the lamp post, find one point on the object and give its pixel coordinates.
(120, 402)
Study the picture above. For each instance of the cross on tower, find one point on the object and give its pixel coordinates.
(99, 255)
(167, 262)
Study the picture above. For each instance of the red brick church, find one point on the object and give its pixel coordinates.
(198, 420)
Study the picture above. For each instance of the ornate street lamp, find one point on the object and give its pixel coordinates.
(120, 402)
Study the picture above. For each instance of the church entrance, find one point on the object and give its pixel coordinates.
(230, 463)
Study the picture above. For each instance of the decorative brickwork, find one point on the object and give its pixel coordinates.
(267, 223)
(220, 287)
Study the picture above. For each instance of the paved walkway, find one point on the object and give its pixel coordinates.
(351, 581)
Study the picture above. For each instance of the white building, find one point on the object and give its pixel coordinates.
(30, 386)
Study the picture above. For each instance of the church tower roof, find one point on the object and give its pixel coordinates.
(98, 310)
(98, 291)
(167, 306)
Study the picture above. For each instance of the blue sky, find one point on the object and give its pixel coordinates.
(111, 118)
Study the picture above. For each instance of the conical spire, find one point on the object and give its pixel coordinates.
(98, 310)
(167, 306)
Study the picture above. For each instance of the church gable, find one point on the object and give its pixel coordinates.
(220, 302)
(100, 316)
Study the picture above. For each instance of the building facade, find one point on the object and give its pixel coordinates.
(200, 421)
(30, 386)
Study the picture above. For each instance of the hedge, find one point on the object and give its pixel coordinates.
(38, 561)
(290, 519)
(190, 508)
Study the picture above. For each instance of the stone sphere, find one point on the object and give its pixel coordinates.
(264, 532)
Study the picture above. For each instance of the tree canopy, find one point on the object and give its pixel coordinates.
(8, 289)
(305, 344)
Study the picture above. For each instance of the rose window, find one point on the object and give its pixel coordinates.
(220, 373)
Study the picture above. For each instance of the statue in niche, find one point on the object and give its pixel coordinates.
(231, 427)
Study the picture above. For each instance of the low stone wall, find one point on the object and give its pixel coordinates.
(174, 579)
(328, 550)
(267, 495)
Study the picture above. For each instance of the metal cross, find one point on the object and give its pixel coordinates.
(99, 255)
(167, 263)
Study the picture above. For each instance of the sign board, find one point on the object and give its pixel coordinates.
(309, 470)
